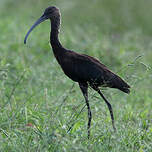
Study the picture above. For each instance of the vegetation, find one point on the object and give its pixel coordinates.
(38, 103)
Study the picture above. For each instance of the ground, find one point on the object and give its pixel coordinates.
(38, 103)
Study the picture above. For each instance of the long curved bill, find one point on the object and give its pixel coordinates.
(40, 20)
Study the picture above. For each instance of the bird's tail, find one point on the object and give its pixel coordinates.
(120, 84)
(125, 89)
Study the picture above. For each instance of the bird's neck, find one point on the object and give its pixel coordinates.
(54, 40)
(57, 48)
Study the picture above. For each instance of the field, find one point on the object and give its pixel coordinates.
(38, 103)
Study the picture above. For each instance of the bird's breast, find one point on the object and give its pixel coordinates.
(69, 69)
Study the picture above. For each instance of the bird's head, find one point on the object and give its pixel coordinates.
(49, 13)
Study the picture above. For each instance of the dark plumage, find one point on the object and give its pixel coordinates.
(81, 68)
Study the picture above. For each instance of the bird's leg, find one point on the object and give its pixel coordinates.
(84, 89)
(109, 107)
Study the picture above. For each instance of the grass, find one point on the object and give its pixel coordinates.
(38, 103)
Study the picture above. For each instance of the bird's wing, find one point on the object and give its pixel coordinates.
(88, 68)
(93, 59)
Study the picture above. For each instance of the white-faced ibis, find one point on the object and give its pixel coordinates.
(81, 68)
